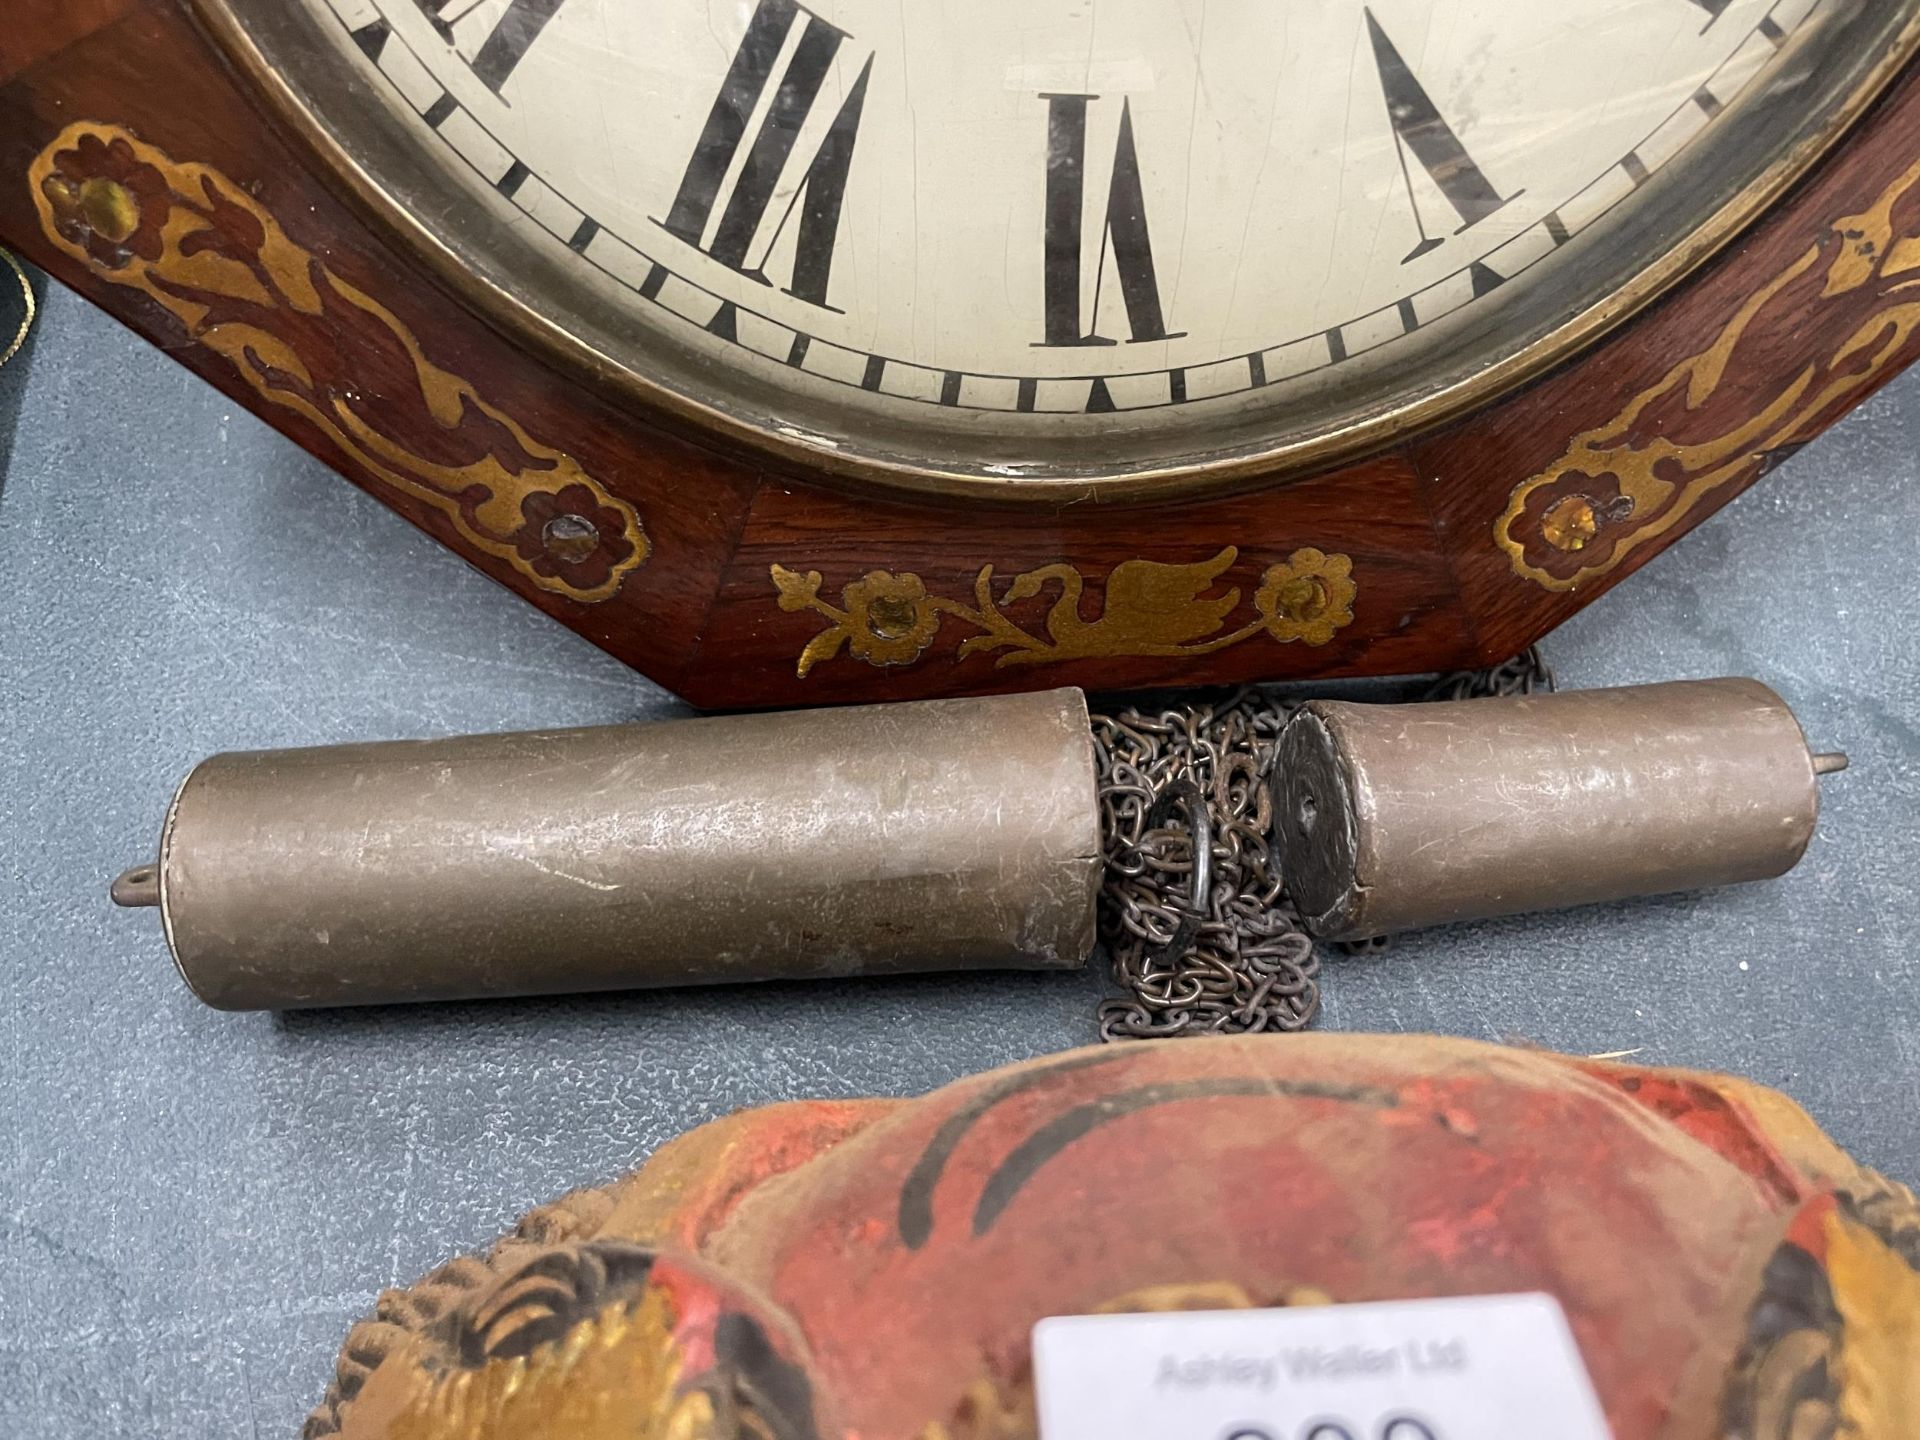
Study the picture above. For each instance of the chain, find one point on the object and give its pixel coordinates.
(29, 308)
(1217, 947)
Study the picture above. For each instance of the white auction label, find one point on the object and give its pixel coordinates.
(1482, 1367)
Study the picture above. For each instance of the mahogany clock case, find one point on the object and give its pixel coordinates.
(152, 171)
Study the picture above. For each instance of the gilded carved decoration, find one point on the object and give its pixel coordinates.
(310, 343)
(1148, 608)
(1652, 468)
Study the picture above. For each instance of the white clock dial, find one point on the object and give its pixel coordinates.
(1013, 227)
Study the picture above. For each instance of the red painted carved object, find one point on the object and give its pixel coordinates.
(874, 1269)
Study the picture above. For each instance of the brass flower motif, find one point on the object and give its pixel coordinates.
(1307, 597)
(109, 202)
(890, 618)
(568, 534)
(882, 618)
(1560, 527)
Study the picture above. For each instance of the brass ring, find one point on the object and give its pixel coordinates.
(31, 307)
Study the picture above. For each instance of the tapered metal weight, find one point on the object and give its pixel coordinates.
(911, 837)
(1393, 817)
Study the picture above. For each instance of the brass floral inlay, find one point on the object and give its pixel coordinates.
(308, 342)
(1148, 608)
(1648, 470)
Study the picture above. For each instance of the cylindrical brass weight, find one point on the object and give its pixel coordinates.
(1393, 817)
(889, 838)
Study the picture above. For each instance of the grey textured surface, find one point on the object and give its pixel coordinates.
(195, 1205)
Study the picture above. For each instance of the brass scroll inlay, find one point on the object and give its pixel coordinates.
(1149, 608)
(1624, 484)
(308, 342)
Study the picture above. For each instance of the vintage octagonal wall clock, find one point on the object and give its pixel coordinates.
(886, 348)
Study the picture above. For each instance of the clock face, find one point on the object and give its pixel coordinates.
(1035, 242)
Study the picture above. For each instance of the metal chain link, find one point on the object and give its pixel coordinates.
(29, 308)
(1220, 952)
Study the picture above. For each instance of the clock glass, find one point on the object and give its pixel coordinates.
(1031, 244)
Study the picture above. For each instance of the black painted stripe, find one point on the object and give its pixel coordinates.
(1557, 228)
(583, 236)
(916, 1194)
(1032, 1154)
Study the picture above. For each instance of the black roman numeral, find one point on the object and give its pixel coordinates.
(1418, 126)
(822, 187)
(1714, 8)
(506, 45)
(1124, 228)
